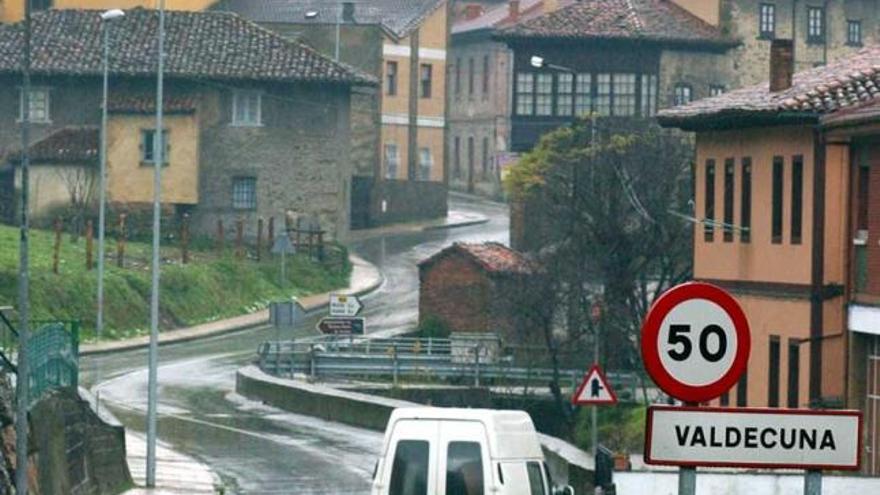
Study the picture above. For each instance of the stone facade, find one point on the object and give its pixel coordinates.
(479, 114)
(298, 155)
(751, 60)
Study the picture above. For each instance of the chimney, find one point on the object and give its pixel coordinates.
(550, 6)
(348, 12)
(781, 65)
(514, 10)
(472, 11)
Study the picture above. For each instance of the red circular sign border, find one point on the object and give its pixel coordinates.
(651, 329)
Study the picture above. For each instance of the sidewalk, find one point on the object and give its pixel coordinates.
(365, 278)
(175, 473)
(453, 219)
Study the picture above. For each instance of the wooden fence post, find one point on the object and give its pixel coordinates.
(56, 248)
(184, 239)
(120, 241)
(271, 240)
(220, 235)
(259, 239)
(90, 241)
(239, 238)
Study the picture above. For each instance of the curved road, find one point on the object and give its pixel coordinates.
(259, 449)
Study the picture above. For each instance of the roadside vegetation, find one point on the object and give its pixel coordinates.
(211, 286)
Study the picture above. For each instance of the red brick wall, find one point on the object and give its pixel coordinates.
(455, 290)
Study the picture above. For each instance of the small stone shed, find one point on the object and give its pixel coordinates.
(479, 288)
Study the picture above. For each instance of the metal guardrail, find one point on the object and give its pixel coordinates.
(412, 358)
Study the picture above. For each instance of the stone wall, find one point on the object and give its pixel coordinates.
(394, 201)
(699, 70)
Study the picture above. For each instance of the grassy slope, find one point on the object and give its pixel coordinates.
(209, 288)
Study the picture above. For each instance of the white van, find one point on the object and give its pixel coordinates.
(437, 451)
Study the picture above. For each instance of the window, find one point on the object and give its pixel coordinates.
(426, 163)
(544, 94)
(709, 202)
(682, 94)
(603, 94)
(794, 372)
(525, 98)
(486, 72)
(148, 146)
(564, 89)
(773, 385)
(38, 103)
(797, 198)
(470, 152)
(409, 473)
(392, 161)
(745, 212)
(244, 193)
(426, 76)
(247, 108)
(716, 90)
(536, 481)
(458, 76)
(624, 94)
(854, 33)
(728, 199)
(742, 390)
(391, 78)
(649, 95)
(457, 158)
(485, 157)
(776, 213)
(767, 21)
(464, 469)
(815, 24)
(471, 74)
(37, 5)
(583, 97)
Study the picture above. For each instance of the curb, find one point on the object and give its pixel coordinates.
(468, 223)
(233, 328)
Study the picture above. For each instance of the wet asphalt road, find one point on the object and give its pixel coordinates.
(257, 449)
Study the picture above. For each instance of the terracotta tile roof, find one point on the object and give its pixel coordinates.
(398, 17)
(199, 45)
(498, 16)
(146, 103)
(849, 82)
(653, 20)
(67, 145)
(493, 257)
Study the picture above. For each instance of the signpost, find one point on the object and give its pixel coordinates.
(345, 306)
(695, 345)
(342, 326)
(283, 246)
(594, 389)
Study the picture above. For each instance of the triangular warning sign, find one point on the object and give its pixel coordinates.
(595, 389)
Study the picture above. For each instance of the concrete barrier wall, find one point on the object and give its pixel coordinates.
(666, 483)
(568, 464)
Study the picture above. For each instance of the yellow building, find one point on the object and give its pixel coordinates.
(13, 10)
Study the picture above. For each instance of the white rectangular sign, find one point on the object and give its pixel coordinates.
(345, 306)
(753, 438)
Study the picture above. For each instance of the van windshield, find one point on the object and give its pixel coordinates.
(409, 474)
(464, 469)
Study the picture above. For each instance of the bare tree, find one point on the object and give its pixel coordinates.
(80, 185)
(609, 200)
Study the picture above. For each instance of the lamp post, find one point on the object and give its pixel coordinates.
(106, 18)
(158, 159)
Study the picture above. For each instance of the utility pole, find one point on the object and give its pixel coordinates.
(339, 8)
(158, 161)
(22, 382)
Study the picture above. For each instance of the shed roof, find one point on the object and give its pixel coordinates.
(68, 145)
(493, 257)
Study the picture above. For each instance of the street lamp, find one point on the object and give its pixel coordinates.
(313, 14)
(106, 18)
(538, 62)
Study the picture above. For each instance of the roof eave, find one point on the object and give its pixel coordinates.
(728, 120)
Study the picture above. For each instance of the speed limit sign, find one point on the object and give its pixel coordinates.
(695, 342)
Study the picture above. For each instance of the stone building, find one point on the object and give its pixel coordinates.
(479, 96)
(478, 288)
(256, 124)
(786, 193)
(398, 130)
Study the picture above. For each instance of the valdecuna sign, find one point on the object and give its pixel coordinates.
(753, 438)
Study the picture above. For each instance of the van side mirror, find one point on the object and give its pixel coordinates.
(563, 490)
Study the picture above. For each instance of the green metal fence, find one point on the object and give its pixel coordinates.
(53, 353)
